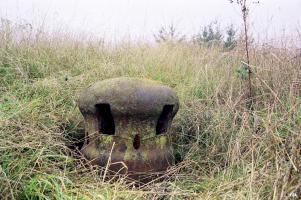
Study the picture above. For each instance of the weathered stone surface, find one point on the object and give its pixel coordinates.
(134, 115)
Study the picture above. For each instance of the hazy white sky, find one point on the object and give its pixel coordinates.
(117, 19)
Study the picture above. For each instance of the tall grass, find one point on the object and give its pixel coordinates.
(221, 153)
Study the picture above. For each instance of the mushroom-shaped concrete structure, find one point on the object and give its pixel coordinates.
(127, 122)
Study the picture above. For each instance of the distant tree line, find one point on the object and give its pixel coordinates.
(209, 36)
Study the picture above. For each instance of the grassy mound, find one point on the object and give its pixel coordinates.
(222, 150)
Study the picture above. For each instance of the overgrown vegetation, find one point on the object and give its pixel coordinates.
(221, 153)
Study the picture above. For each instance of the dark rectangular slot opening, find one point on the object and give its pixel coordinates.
(164, 119)
(105, 119)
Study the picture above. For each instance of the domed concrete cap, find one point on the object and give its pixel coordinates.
(128, 96)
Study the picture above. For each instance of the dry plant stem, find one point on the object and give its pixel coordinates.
(244, 11)
(249, 94)
(108, 163)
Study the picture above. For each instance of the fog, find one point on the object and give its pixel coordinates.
(140, 19)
